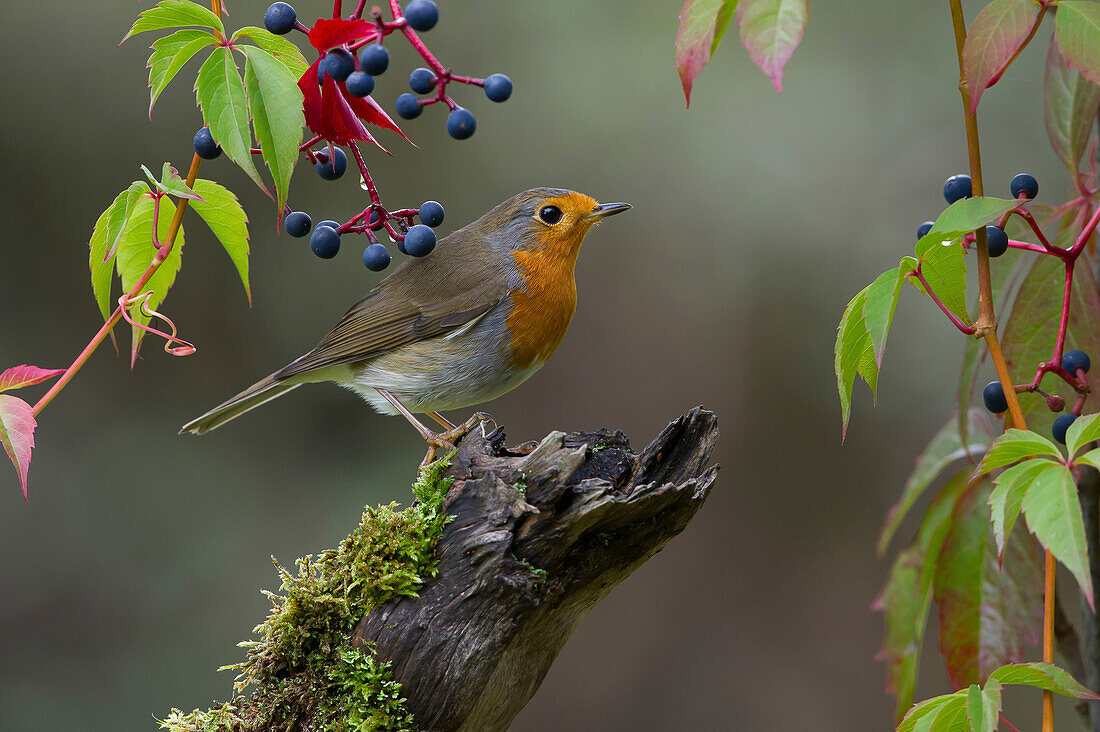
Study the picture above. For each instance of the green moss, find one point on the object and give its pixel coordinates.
(302, 673)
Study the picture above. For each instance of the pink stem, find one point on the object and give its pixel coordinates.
(1083, 237)
(1063, 323)
(955, 320)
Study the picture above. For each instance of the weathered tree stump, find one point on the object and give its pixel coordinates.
(541, 534)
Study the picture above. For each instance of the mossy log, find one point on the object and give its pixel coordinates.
(540, 534)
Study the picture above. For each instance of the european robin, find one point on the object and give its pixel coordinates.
(461, 326)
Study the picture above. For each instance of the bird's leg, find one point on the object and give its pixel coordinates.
(442, 420)
(435, 440)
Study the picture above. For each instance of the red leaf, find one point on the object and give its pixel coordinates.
(19, 376)
(17, 434)
(371, 112)
(702, 23)
(328, 112)
(992, 39)
(330, 32)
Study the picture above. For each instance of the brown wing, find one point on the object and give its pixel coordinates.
(423, 298)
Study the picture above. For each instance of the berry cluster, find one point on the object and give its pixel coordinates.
(351, 58)
(957, 187)
(1074, 363)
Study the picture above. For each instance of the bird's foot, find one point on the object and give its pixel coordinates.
(446, 440)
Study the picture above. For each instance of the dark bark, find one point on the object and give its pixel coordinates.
(541, 534)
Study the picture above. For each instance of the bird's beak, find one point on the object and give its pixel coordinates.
(608, 209)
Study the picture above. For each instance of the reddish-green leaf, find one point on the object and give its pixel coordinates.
(1053, 514)
(170, 54)
(1031, 328)
(19, 376)
(992, 39)
(1043, 676)
(702, 25)
(908, 592)
(770, 31)
(174, 14)
(988, 617)
(945, 448)
(1077, 30)
(1070, 105)
(220, 92)
(17, 434)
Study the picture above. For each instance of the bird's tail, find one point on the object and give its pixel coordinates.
(259, 393)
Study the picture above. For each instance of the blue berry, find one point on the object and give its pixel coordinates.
(956, 188)
(924, 228)
(331, 170)
(997, 239)
(408, 107)
(325, 242)
(373, 218)
(431, 213)
(339, 63)
(421, 14)
(422, 80)
(498, 87)
(461, 124)
(280, 18)
(994, 397)
(297, 224)
(360, 84)
(1024, 183)
(321, 73)
(330, 224)
(419, 241)
(376, 257)
(1061, 426)
(374, 59)
(205, 147)
(401, 246)
(1074, 360)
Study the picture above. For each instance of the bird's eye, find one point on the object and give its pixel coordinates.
(550, 214)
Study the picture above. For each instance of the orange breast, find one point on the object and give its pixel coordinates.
(542, 311)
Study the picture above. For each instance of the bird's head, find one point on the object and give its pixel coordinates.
(548, 222)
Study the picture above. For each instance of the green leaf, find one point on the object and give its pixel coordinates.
(1084, 430)
(220, 92)
(992, 39)
(989, 613)
(222, 212)
(1077, 30)
(943, 265)
(968, 214)
(1045, 676)
(1070, 104)
(1007, 498)
(1089, 458)
(275, 102)
(277, 46)
(879, 305)
(173, 14)
(853, 349)
(104, 242)
(944, 449)
(1054, 515)
(170, 182)
(136, 252)
(170, 54)
(1016, 445)
(940, 713)
(1031, 327)
(907, 594)
(702, 25)
(983, 706)
(770, 31)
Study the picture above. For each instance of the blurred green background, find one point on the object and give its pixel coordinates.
(137, 564)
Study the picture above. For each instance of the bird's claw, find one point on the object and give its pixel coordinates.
(446, 440)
